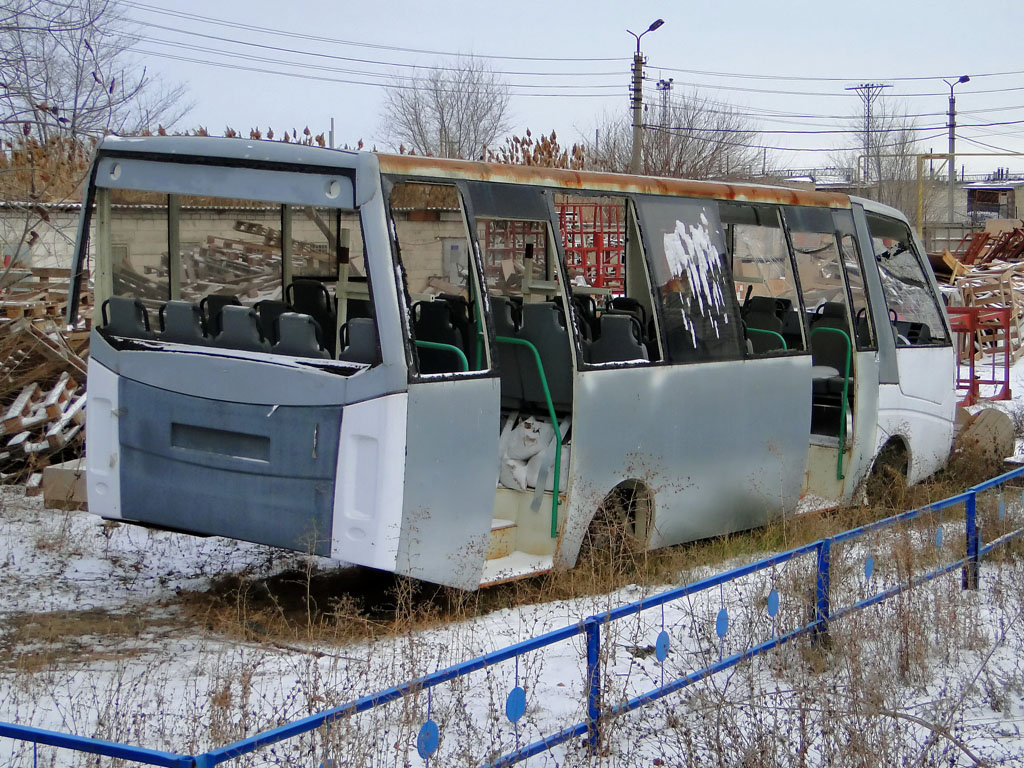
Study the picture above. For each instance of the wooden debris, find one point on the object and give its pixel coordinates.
(42, 376)
(64, 485)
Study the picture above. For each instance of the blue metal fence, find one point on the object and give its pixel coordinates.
(597, 713)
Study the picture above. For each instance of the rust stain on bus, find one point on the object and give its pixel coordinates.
(410, 165)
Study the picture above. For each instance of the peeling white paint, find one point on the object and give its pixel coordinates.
(691, 254)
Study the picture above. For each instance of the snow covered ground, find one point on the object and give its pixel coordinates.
(94, 640)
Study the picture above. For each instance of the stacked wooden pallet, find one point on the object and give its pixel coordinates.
(42, 376)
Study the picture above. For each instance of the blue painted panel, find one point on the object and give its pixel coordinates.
(229, 469)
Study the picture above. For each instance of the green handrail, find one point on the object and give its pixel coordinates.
(846, 386)
(446, 348)
(554, 423)
(770, 333)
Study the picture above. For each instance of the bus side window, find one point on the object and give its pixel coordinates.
(763, 272)
(440, 282)
(611, 292)
(694, 285)
(913, 312)
(829, 269)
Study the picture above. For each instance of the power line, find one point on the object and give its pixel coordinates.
(388, 78)
(335, 57)
(983, 144)
(354, 43)
(901, 129)
(342, 81)
(810, 78)
(776, 92)
(659, 129)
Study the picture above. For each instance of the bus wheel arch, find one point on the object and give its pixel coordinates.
(887, 481)
(621, 525)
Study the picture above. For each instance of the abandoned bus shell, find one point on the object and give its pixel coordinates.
(445, 369)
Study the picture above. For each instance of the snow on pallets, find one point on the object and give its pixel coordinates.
(38, 424)
(42, 375)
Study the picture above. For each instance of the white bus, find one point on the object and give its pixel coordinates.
(413, 364)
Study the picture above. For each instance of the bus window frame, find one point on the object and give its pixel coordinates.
(388, 183)
(858, 255)
(740, 352)
(927, 274)
(805, 333)
(100, 185)
(836, 236)
(633, 221)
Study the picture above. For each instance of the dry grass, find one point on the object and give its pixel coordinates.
(338, 607)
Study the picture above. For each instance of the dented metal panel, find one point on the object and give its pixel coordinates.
(451, 470)
(721, 446)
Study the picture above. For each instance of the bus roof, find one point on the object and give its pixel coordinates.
(413, 165)
(262, 151)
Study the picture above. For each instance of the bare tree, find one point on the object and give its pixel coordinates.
(455, 112)
(884, 159)
(689, 138)
(67, 71)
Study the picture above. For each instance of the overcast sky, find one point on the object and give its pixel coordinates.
(291, 64)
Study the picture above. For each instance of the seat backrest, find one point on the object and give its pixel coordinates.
(360, 341)
(762, 312)
(212, 306)
(434, 321)
(831, 314)
(269, 311)
(509, 356)
(311, 297)
(544, 327)
(124, 316)
(182, 322)
(299, 336)
(631, 305)
(240, 329)
(618, 341)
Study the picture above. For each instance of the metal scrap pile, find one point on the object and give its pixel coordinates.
(42, 376)
(988, 272)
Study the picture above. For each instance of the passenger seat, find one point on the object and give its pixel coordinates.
(181, 322)
(544, 327)
(359, 340)
(124, 316)
(240, 329)
(618, 341)
(299, 336)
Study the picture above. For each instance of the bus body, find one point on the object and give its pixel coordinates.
(418, 365)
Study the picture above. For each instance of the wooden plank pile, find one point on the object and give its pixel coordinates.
(987, 268)
(42, 377)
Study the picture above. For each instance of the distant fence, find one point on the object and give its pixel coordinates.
(993, 524)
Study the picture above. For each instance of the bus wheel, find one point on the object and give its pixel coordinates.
(618, 535)
(887, 484)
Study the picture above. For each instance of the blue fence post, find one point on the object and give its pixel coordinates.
(822, 591)
(969, 579)
(592, 627)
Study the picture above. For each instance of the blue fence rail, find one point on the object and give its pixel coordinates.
(597, 714)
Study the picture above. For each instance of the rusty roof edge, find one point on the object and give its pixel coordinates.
(411, 165)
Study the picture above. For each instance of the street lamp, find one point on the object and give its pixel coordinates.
(638, 96)
(952, 145)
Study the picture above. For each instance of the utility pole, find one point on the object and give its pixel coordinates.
(868, 92)
(637, 97)
(665, 87)
(952, 146)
